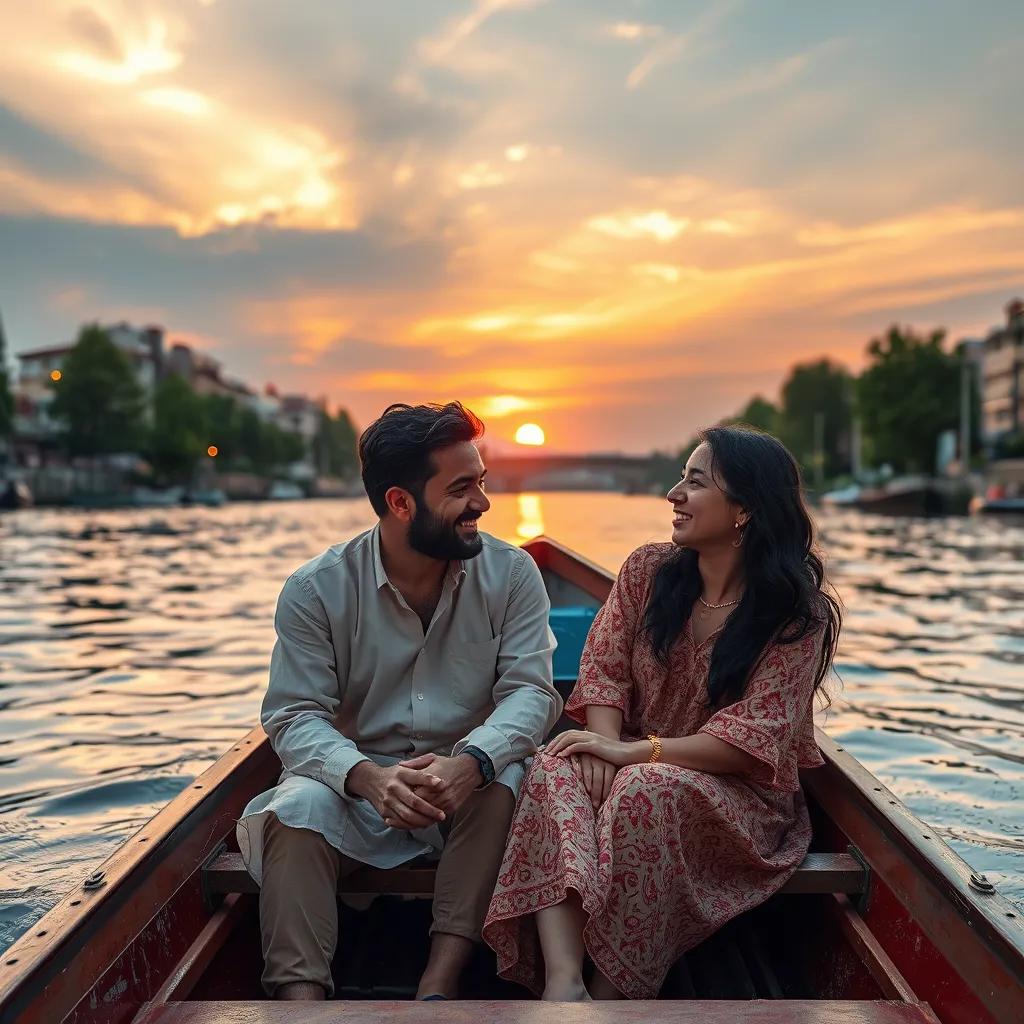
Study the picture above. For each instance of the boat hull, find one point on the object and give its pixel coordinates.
(148, 932)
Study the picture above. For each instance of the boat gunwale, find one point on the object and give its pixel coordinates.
(973, 917)
(60, 967)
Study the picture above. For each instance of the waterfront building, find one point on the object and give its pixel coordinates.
(1002, 376)
(33, 423)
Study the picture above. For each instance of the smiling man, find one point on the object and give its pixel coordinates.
(412, 669)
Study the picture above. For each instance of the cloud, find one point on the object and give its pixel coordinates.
(633, 30)
(90, 28)
(43, 152)
(657, 224)
(595, 212)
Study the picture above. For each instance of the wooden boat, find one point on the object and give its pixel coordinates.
(904, 496)
(997, 507)
(882, 924)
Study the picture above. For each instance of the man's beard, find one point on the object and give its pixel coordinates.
(432, 536)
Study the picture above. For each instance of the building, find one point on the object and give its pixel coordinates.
(37, 432)
(268, 405)
(300, 415)
(144, 347)
(1002, 370)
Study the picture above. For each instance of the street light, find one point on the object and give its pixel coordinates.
(212, 451)
(55, 375)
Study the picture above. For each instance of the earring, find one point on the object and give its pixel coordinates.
(736, 525)
(739, 540)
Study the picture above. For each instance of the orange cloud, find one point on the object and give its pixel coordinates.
(667, 189)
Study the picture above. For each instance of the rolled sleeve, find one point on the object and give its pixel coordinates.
(336, 767)
(305, 689)
(775, 712)
(492, 741)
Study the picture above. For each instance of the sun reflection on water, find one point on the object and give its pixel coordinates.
(134, 648)
(531, 516)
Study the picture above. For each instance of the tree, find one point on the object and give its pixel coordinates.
(98, 397)
(812, 390)
(759, 413)
(179, 432)
(221, 419)
(245, 441)
(6, 397)
(334, 445)
(908, 395)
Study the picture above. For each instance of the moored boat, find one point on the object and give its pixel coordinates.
(998, 506)
(882, 923)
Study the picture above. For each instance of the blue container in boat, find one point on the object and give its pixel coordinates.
(570, 626)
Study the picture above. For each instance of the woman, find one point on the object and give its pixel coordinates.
(679, 806)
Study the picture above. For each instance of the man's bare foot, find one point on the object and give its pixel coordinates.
(300, 990)
(565, 990)
(449, 955)
(447, 988)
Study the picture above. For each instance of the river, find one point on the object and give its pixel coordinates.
(134, 648)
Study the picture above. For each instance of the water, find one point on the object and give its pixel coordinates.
(134, 647)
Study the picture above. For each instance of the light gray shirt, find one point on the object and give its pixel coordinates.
(354, 676)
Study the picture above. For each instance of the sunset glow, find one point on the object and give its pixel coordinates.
(626, 224)
(530, 434)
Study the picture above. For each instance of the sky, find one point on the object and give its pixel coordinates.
(616, 220)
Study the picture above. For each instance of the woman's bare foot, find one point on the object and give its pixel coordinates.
(566, 990)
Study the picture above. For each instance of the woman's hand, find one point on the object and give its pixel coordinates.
(615, 752)
(598, 777)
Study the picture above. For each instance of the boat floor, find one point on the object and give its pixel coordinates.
(489, 1012)
(382, 953)
(765, 967)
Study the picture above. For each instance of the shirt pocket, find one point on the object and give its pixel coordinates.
(474, 671)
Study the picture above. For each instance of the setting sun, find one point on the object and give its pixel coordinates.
(530, 433)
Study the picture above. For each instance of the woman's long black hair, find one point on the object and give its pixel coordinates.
(785, 595)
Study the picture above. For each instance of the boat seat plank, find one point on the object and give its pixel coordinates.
(819, 873)
(704, 1011)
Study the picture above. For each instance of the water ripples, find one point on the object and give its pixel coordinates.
(134, 648)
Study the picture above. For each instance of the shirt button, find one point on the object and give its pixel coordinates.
(419, 696)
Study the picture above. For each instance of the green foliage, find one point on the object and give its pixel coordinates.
(824, 388)
(759, 413)
(6, 397)
(334, 446)
(1010, 446)
(262, 447)
(974, 401)
(178, 435)
(222, 425)
(908, 395)
(245, 441)
(98, 398)
(185, 424)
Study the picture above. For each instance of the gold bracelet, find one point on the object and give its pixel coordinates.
(655, 749)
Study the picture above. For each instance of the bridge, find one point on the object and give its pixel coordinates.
(542, 472)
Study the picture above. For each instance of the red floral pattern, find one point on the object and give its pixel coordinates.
(673, 853)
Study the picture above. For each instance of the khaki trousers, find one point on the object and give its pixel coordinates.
(301, 870)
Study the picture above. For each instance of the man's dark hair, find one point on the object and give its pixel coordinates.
(395, 450)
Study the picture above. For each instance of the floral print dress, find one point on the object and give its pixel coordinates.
(673, 853)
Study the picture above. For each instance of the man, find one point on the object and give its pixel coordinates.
(412, 670)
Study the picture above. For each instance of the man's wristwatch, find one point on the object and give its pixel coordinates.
(486, 764)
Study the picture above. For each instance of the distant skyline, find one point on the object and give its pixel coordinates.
(617, 221)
